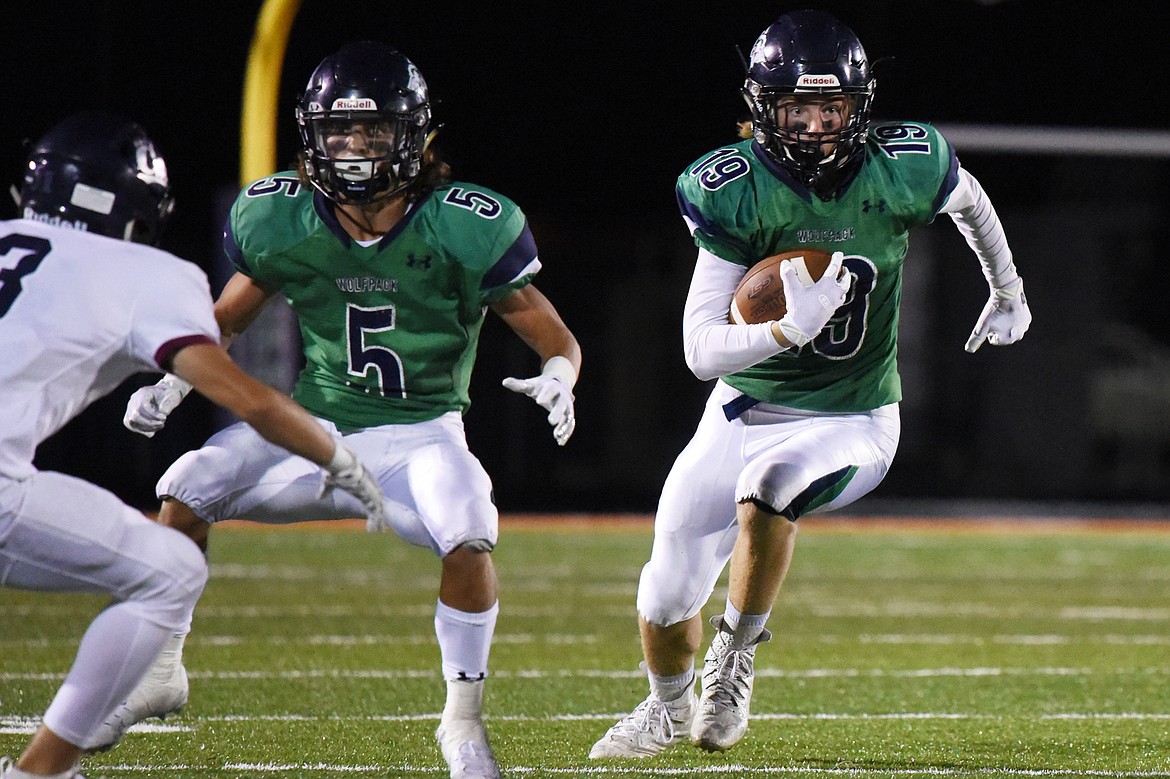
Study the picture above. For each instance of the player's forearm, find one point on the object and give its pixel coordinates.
(976, 219)
(280, 420)
(712, 347)
(272, 414)
(721, 349)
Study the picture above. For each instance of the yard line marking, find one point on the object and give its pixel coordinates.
(713, 770)
(418, 639)
(931, 610)
(417, 610)
(428, 639)
(1114, 612)
(817, 608)
(20, 725)
(539, 673)
(26, 726)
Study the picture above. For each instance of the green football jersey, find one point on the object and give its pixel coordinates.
(390, 330)
(742, 207)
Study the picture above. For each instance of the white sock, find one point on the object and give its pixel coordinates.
(745, 628)
(170, 656)
(671, 688)
(465, 640)
(114, 655)
(464, 700)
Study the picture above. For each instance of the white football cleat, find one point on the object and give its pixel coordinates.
(649, 729)
(728, 675)
(162, 691)
(465, 747)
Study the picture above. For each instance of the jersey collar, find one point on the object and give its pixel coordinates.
(798, 188)
(324, 208)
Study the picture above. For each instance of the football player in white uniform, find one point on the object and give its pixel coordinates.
(84, 305)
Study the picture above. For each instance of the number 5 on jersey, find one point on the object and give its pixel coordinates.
(385, 362)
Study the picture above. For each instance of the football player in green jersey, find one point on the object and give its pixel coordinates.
(804, 418)
(390, 267)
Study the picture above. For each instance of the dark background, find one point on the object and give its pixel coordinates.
(586, 117)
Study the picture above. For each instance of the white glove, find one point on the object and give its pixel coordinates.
(552, 389)
(808, 309)
(346, 472)
(1005, 318)
(148, 408)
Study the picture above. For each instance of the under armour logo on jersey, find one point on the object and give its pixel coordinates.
(416, 262)
(866, 205)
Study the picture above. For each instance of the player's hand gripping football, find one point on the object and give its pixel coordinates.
(148, 408)
(346, 472)
(553, 390)
(1005, 317)
(810, 308)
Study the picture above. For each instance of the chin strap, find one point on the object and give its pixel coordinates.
(367, 227)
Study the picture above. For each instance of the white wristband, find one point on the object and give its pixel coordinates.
(794, 334)
(561, 368)
(343, 458)
(172, 381)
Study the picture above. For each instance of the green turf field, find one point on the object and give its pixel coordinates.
(902, 652)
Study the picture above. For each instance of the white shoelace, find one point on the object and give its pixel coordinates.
(735, 666)
(652, 717)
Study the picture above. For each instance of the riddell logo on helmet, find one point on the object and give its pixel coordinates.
(818, 81)
(354, 104)
(55, 220)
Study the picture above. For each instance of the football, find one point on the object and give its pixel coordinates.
(760, 294)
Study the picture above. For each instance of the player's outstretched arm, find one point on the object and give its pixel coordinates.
(278, 418)
(1006, 316)
(532, 317)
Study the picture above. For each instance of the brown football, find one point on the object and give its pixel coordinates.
(760, 294)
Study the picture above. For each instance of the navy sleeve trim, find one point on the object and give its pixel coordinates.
(518, 257)
(232, 249)
(692, 213)
(950, 181)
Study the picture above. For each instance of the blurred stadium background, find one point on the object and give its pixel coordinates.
(585, 117)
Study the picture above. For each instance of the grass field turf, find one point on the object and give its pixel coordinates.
(994, 649)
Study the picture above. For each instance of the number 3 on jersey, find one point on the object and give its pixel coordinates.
(36, 249)
(385, 362)
(842, 337)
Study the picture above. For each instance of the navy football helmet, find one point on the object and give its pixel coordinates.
(99, 172)
(809, 53)
(364, 119)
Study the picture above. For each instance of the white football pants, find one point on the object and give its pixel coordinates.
(62, 534)
(796, 462)
(438, 494)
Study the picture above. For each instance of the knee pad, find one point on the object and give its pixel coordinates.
(168, 591)
(478, 545)
(667, 597)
